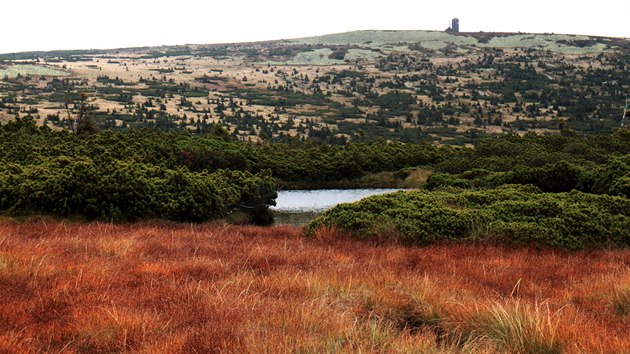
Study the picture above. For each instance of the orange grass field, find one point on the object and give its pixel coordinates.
(163, 288)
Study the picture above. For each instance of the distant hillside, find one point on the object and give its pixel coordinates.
(384, 38)
(445, 88)
(436, 40)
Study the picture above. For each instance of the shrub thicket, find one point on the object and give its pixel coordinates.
(116, 177)
(597, 164)
(512, 214)
(144, 173)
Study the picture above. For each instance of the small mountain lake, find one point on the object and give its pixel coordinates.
(298, 207)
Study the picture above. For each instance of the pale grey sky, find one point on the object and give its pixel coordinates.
(72, 24)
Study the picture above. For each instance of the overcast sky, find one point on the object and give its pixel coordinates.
(72, 24)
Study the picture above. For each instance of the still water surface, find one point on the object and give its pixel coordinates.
(298, 207)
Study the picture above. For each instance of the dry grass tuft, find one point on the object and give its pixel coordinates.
(512, 326)
(621, 297)
(417, 178)
(326, 234)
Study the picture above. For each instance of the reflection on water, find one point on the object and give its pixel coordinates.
(298, 207)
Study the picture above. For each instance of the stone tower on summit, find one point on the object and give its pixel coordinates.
(454, 26)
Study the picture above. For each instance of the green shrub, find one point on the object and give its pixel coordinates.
(554, 163)
(124, 190)
(512, 214)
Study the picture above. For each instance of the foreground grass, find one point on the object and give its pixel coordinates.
(213, 288)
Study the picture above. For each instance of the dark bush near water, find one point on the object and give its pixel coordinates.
(510, 214)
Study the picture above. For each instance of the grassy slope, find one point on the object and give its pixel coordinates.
(209, 288)
(561, 43)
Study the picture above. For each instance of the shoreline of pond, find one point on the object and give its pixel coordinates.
(299, 207)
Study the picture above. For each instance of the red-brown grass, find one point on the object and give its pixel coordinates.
(152, 287)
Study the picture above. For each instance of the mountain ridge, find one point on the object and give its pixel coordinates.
(346, 38)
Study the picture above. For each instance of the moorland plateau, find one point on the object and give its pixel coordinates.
(446, 88)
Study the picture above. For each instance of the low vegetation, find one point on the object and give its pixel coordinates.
(560, 190)
(597, 164)
(154, 174)
(509, 214)
(148, 174)
(215, 288)
(104, 177)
